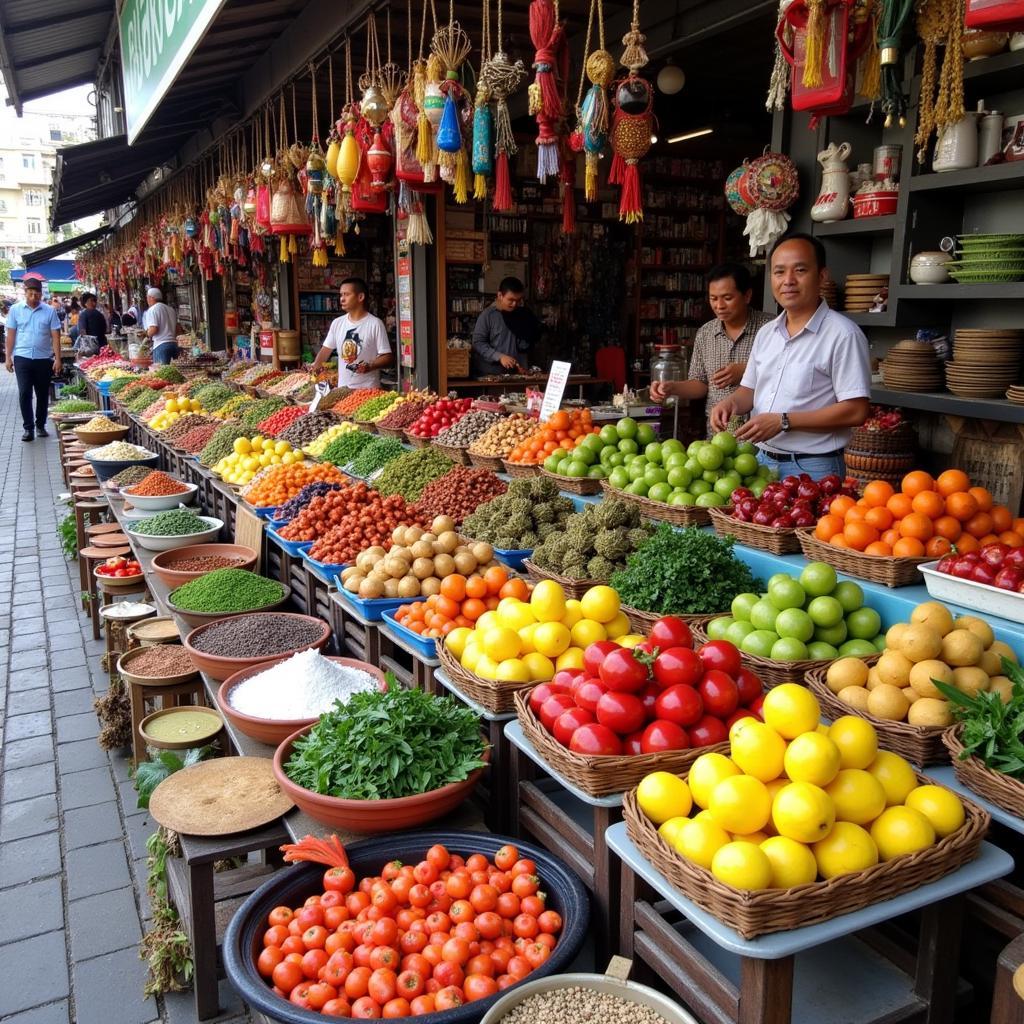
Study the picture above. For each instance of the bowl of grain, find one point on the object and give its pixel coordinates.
(157, 665)
(188, 563)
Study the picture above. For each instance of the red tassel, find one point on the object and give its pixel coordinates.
(617, 171)
(630, 208)
(568, 211)
(502, 184)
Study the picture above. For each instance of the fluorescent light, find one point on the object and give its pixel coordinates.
(691, 135)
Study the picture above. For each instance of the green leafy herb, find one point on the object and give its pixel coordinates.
(992, 730)
(150, 774)
(67, 533)
(683, 572)
(379, 746)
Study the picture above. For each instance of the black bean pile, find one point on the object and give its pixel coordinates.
(257, 636)
(306, 428)
(293, 506)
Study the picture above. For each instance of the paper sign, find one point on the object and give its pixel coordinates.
(557, 379)
(321, 389)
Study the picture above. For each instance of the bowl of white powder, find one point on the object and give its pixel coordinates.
(275, 698)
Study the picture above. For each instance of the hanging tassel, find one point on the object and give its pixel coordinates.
(282, 253)
(630, 208)
(815, 43)
(590, 180)
(339, 243)
(462, 176)
(568, 210)
(871, 63)
(502, 184)
(547, 160)
(479, 186)
(617, 171)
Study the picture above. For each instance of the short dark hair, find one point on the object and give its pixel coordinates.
(511, 284)
(358, 283)
(802, 236)
(87, 296)
(739, 274)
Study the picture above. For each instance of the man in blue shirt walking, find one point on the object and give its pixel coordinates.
(33, 353)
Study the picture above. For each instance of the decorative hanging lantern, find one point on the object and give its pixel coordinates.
(379, 160)
(450, 47)
(736, 195)
(771, 186)
(592, 113)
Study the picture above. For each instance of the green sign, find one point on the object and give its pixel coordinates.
(157, 38)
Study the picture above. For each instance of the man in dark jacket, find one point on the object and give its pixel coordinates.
(505, 332)
(92, 321)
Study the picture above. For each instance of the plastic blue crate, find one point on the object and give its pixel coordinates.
(263, 513)
(277, 524)
(292, 547)
(103, 386)
(513, 557)
(426, 645)
(326, 570)
(371, 610)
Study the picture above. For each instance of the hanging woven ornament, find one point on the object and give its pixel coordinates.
(736, 194)
(348, 155)
(287, 215)
(551, 64)
(430, 100)
(632, 122)
(940, 23)
(592, 114)
(890, 18)
(771, 186)
(374, 109)
(264, 177)
(451, 46)
(483, 120)
(316, 170)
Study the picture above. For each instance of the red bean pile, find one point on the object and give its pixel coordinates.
(405, 414)
(459, 492)
(205, 563)
(368, 526)
(278, 421)
(195, 440)
(160, 661)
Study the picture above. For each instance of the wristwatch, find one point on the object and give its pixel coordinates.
(785, 422)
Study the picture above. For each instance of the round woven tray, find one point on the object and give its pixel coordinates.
(455, 452)
(517, 469)
(1000, 789)
(871, 463)
(490, 462)
(495, 696)
(581, 485)
(677, 515)
(395, 432)
(641, 622)
(888, 571)
(415, 441)
(884, 442)
(367, 425)
(778, 540)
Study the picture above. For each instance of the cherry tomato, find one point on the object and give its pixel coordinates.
(595, 739)
(364, 1008)
(670, 631)
(339, 1007)
(479, 986)
(286, 975)
(719, 692)
(550, 921)
(633, 743)
(540, 693)
(339, 879)
(595, 653)
(448, 998)
(722, 655)
(623, 672)
(737, 715)
(503, 859)
(677, 665)
(662, 735)
(568, 722)
(707, 731)
(268, 959)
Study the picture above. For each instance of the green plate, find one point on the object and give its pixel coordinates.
(987, 239)
(985, 276)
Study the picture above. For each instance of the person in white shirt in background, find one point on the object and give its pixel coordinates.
(359, 338)
(161, 324)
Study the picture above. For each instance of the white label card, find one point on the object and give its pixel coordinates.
(557, 379)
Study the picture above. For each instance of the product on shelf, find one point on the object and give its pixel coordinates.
(318, 446)
(501, 437)
(789, 502)
(996, 565)
(460, 601)
(277, 483)
(460, 492)
(411, 471)
(439, 416)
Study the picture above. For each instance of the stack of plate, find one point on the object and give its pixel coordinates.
(912, 366)
(860, 291)
(830, 293)
(1016, 394)
(986, 361)
(987, 259)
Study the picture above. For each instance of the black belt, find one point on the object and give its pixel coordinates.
(795, 456)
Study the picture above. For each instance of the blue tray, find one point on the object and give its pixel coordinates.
(103, 386)
(327, 570)
(276, 524)
(371, 610)
(426, 645)
(263, 513)
(294, 547)
(513, 557)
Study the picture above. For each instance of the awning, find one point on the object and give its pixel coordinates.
(33, 259)
(48, 270)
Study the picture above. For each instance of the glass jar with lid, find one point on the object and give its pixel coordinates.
(668, 363)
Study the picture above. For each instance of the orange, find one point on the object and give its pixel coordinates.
(1018, 526)
(828, 526)
(454, 587)
(978, 525)
(476, 587)
(473, 608)
(841, 504)
(982, 496)
(879, 517)
(1011, 539)
(937, 547)
(878, 492)
(855, 514)
(951, 481)
(890, 536)
(930, 503)
(880, 548)
(516, 587)
(948, 527)
(916, 525)
(839, 541)
(900, 505)
(859, 535)
(917, 481)
(495, 577)
(965, 543)
(559, 420)
(962, 505)
(989, 538)
(1001, 517)
(908, 547)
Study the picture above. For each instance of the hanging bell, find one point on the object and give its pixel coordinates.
(373, 106)
(379, 160)
(449, 138)
(433, 103)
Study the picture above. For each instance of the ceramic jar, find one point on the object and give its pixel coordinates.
(834, 198)
(930, 267)
(956, 148)
(979, 43)
(990, 137)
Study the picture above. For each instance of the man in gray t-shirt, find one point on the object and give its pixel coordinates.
(505, 332)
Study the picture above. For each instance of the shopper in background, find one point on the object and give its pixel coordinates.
(359, 338)
(33, 354)
(504, 332)
(58, 307)
(161, 324)
(5, 308)
(91, 321)
(130, 317)
(722, 346)
(808, 378)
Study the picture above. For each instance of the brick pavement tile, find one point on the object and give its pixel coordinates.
(69, 679)
(27, 606)
(32, 624)
(37, 750)
(32, 909)
(26, 679)
(28, 659)
(87, 826)
(121, 764)
(77, 727)
(28, 818)
(63, 643)
(78, 756)
(25, 783)
(129, 799)
(23, 727)
(72, 702)
(139, 828)
(24, 702)
(108, 990)
(66, 624)
(98, 869)
(42, 973)
(104, 923)
(28, 641)
(72, 658)
(25, 859)
(86, 788)
(52, 1013)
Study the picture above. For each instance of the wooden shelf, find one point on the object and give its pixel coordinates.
(683, 268)
(950, 405)
(861, 226)
(886, 319)
(958, 292)
(1000, 178)
(1001, 73)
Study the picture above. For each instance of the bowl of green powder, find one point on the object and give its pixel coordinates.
(223, 593)
(175, 528)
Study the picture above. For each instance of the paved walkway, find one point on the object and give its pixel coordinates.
(73, 904)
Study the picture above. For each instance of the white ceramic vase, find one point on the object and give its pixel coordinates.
(833, 200)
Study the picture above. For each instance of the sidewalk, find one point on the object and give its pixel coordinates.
(73, 903)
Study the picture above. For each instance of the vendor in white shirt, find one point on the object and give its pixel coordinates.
(359, 338)
(808, 379)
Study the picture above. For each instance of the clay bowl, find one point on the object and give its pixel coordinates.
(372, 816)
(100, 437)
(163, 563)
(276, 730)
(218, 667)
(195, 619)
(119, 581)
(124, 667)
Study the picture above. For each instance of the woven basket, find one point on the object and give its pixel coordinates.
(878, 466)
(458, 362)
(677, 515)
(997, 788)
(920, 744)
(889, 571)
(582, 485)
(490, 462)
(396, 432)
(641, 622)
(493, 695)
(600, 775)
(572, 588)
(778, 540)
(900, 441)
(779, 910)
(415, 441)
(367, 425)
(517, 469)
(454, 452)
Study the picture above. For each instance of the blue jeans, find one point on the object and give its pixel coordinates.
(815, 466)
(163, 354)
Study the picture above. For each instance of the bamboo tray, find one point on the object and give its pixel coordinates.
(888, 571)
(778, 540)
(1000, 789)
(398, 433)
(495, 696)
(677, 515)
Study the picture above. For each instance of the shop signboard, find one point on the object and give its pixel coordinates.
(157, 38)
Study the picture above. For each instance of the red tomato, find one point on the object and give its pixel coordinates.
(286, 975)
(595, 739)
(587, 692)
(748, 684)
(507, 855)
(737, 715)
(633, 743)
(479, 986)
(565, 677)
(671, 631)
(648, 697)
(320, 994)
(269, 958)
(722, 655)
(448, 998)
(568, 722)
(661, 735)
(677, 665)
(383, 985)
(720, 693)
(622, 712)
(623, 672)
(540, 693)
(707, 731)
(312, 962)
(339, 1007)
(340, 879)
(681, 704)
(553, 707)
(280, 915)
(550, 921)
(364, 1008)
(595, 653)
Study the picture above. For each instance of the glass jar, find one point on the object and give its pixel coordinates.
(668, 363)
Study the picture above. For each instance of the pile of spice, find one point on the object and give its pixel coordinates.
(157, 406)
(376, 455)
(180, 427)
(234, 407)
(129, 476)
(343, 449)
(459, 493)
(412, 471)
(304, 686)
(257, 636)
(175, 522)
(305, 428)
(405, 414)
(99, 424)
(277, 484)
(119, 451)
(260, 410)
(319, 445)
(348, 405)
(205, 563)
(468, 429)
(161, 661)
(580, 1005)
(293, 506)
(333, 397)
(289, 384)
(169, 373)
(228, 590)
(195, 440)
(214, 395)
(277, 421)
(157, 484)
(139, 400)
(221, 443)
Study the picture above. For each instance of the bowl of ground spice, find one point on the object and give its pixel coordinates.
(229, 645)
(99, 430)
(225, 592)
(188, 563)
(157, 665)
(159, 491)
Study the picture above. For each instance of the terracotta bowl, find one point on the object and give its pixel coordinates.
(202, 618)
(162, 563)
(276, 730)
(372, 816)
(101, 437)
(219, 668)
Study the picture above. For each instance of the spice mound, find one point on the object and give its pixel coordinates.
(205, 563)
(304, 686)
(579, 1005)
(161, 661)
(176, 522)
(119, 451)
(131, 475)
(99, 425)
(157, 484)
(227, 590)
(257, 636)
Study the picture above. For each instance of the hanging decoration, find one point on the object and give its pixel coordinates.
(551, 64)
(451, 46)
(408, 120)
(995, 15)
(632, 122)
(940, 23)
(348, 155)
(287, 216)
(592, 113)
(316, 170)
(377, 158)
(483, 119)
(770, 187)
(892, 19)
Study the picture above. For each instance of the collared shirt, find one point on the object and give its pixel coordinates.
(713, 349)
(33, 340)
(824, 363)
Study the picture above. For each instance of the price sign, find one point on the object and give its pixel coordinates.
(321, 389)
(557, 379)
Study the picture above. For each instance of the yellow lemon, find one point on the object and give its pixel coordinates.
(265, 459)
(857, 795)
(486, 668)
(757, 749)
(668, 830)
(471, 654)
(792, 862)
(706, 773)
(539, 667)
(587, 632)
(526, 638)
(512, 670)
(741, 804)
(803, 811)
(288, 459)
(514, 614)
(281, 447)
(743, 866)
(757, 838)
(790, 710)
(848, 847)
(856, 739)
(900, 830)
(895, 775)
(551, 638)
(942, 807)
(630, 640)
(600, 603)
(573, 613)
(619, 626)
(812, 757)
(662, 795)
(548, 601)
(500, 643)
(698, 840)
(256, 441)
(572, 658)
(486, 621)
(704, 816)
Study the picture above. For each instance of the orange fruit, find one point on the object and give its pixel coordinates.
(841, 504)
(855, 514)
(859, 535)
(879, 548)
(952, 480)
(828, 526)
(916, 525)
(900, 505)
(878, 492)
(839, 541)
(1001, 517)
(917, 481)
(879, 517)
(890, 536)
(982, 496)
(989, 538)
(948, 527)
(937, 547)
(962, 505)
(979, 525)
(908, 547)
(929, 503)
(1011, 539)
(965, 543)
(1018, 526)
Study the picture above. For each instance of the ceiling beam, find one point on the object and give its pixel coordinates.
(72, 51)
(35, 26)
(48, 90)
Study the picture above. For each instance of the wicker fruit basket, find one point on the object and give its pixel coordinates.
(920, 744)
(582, 485)
(677, 515)
(902, 440)
(572, 588)
(415, 440)
(641, 622)
(518, 469)
(495, 696)
(600, 775)
(997, 788)
(776, 539)
(456, 453)
(778, 910)
(491, 462)
(366, 425)
(398, 433)
(888, 571)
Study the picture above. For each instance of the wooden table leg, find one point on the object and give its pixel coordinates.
(1007, 1004)
(766, 991)
(138, 702)
(606, 881)
(204, 928)
(627, 908)
(937, 956)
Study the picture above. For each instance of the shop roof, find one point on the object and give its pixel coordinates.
(33, 259)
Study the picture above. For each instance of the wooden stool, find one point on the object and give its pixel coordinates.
(100, 529)
(110, 540)
(88, 559)
(86, 514)
(116, 630)
(176, 695)
(92, 495)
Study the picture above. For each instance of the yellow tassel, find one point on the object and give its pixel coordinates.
(590, 180)
(871, 74)
(815, 43)
(533, 94)
(293, 246)
(339, 243)
(479, 186)
(282, 254)
(424, 141)
(462, 176)
(446, 159)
